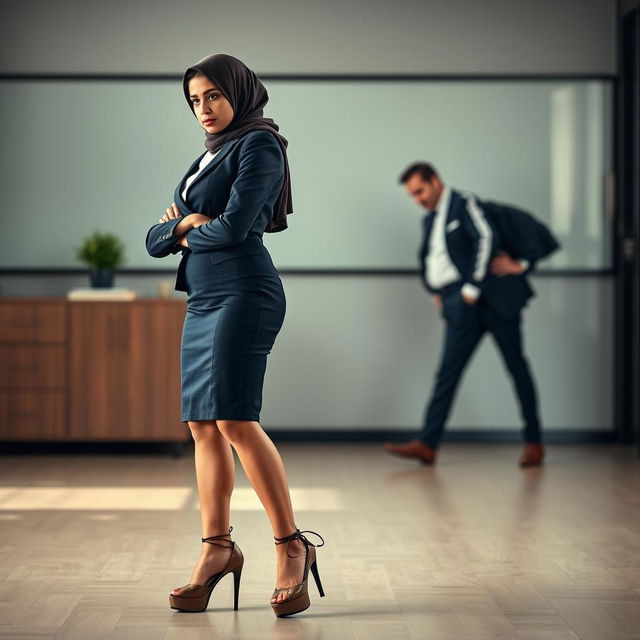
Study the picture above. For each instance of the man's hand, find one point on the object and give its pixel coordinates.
(503, 265)
(469, 299)
(437, 300)
(183, 241)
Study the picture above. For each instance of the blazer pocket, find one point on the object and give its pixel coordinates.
(453, 225)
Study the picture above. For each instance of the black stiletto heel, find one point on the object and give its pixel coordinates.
(316, 577)
(236, 586)
(195, 597)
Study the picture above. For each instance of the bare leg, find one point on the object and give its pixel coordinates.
(265, 470)
(215, 473)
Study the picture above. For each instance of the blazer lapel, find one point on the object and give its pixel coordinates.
(177, 194)
(224, 151)
(454, 202)
(427, 223)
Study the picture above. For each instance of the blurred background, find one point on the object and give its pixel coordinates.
(518, 103)
(532, 104)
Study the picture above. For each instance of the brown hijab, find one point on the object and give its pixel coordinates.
(247, 96)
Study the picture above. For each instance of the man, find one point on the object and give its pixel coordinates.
(478, 287)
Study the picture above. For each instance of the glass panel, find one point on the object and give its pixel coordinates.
(79, 156)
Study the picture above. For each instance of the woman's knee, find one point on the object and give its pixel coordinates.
(201, 430)
(237, 431)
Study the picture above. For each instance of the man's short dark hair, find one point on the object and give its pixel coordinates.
(426, 171)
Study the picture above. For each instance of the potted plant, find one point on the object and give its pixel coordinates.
(102, 252)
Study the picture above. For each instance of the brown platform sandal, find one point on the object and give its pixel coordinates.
(195, 597)
(299, 594)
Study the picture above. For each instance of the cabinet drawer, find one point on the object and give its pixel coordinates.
(33, 367)
(33, 321)
(29, 415)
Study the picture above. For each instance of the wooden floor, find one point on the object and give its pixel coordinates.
(474, 548)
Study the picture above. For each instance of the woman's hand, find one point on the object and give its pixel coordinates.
(197, 219)
(172, 212)
(189, 222)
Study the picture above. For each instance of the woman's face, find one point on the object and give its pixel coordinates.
(212, 109)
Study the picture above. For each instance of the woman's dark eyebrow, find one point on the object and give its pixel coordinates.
(204, 93)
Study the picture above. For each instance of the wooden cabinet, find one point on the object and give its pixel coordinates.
(33, 320)
(33, 415)
(76, 370)
(33, 366)
(33, 371)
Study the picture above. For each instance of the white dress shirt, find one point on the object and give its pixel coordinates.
(439, 268)
(206, 159)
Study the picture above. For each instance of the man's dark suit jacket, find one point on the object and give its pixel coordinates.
(239, 189)
(507, 295)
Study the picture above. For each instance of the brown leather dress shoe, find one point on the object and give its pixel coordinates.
(532, 455)
(414, 449)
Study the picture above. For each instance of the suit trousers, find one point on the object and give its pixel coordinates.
(465, 326)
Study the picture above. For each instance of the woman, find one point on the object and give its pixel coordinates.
(228, 198)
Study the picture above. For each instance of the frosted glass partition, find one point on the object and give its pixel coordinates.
(84, 155)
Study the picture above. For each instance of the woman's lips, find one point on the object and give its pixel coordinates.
(210, 121)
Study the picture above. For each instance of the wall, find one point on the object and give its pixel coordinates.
(360, 351)
(292, 36)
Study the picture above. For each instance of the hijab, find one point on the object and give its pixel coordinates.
(247, 96)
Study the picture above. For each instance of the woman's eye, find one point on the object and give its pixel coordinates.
(211, 95)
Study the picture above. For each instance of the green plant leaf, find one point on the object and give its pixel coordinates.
(101, 251)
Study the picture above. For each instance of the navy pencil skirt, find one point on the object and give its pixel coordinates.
(235, 309)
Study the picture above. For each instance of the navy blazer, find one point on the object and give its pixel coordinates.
(238, 189)
(463, 236)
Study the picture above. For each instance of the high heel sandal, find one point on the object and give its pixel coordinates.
(195, 597)
(298, 599)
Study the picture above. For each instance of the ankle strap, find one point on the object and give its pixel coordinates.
(298, 535)
(222, 538)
